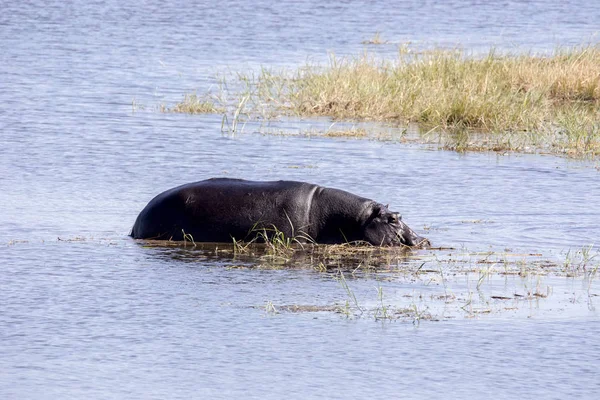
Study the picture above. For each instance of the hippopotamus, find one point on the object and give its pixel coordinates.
(224, 209)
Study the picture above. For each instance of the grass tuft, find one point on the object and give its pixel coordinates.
(192, 104)
(376, 39)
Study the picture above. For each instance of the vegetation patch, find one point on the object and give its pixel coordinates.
(494, 102)
(554, 99)
(192, 104)
(347, 133)
(450, 90)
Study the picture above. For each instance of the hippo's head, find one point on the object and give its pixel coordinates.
(385, 228)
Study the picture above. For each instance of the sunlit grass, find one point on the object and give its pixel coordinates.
(448, 90)
(494, 102)
(192, 104)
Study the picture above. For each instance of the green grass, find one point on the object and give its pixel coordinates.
(187, 237)
(274, 241)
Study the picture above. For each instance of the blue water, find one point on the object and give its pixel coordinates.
(86, 312)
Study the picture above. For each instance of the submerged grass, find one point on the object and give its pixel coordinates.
(492, 102)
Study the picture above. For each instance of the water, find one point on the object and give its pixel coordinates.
(87, 312)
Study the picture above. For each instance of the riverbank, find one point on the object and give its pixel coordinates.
(499, 102)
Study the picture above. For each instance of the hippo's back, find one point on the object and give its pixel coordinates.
(219, 209)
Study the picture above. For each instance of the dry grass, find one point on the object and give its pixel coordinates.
(495, 102)
(552, 101)
(346, 133)
(447, 89)
(192, 104)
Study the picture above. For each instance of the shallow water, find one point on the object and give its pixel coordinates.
(87, 312)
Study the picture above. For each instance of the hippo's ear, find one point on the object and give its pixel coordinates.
(377, 211)
(373, 211)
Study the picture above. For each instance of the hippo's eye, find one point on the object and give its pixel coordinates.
(392, 219)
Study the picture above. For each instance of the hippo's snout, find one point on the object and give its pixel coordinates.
(421, 242)
(408, 237)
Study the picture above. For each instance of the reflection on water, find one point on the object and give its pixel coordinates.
(85, 312)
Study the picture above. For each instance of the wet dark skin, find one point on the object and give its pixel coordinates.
(220, 209)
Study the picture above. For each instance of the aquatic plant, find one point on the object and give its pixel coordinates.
(232, 127)
(579, 260)
(270, 308)
(349, 292)
(381, 312)
(275, 241)
(187, 238)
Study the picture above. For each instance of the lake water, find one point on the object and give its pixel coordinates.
(86, 312)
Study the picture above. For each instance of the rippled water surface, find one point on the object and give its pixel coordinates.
(86, 312)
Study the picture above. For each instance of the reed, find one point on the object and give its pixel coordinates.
(187, 238)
